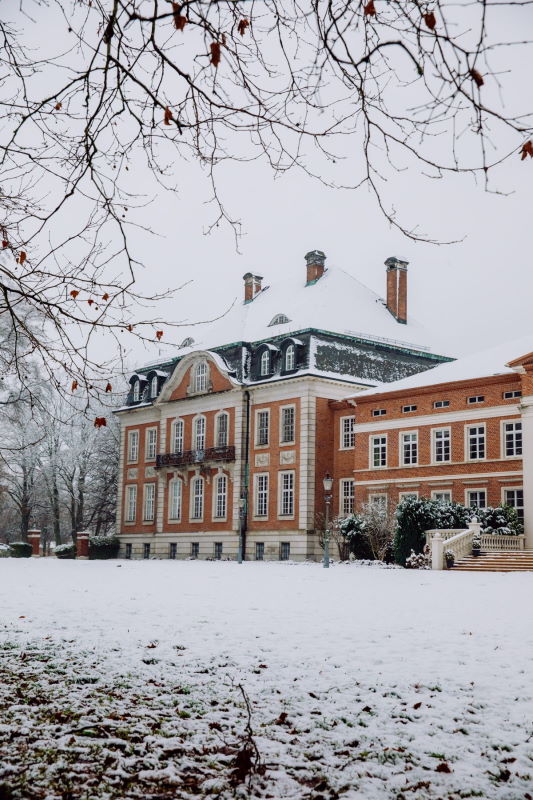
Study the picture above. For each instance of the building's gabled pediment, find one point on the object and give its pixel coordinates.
(198, 373)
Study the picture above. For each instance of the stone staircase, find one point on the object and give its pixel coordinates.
(497, 561)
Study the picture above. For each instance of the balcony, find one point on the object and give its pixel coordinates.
(195, 457)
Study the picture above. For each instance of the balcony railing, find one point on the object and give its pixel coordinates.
(195, 457)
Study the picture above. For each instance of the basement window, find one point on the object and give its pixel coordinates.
(441, 404)
(478, 398)
(408, 409)
(378, 412)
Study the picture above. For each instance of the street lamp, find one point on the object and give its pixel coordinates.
(242, 512)
(327, 482)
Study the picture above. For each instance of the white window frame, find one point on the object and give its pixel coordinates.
(199, 421)
(471, 490)
(403, 437)
(197, 480)
(172, 484)
(200, 377)
(150, 447)
(153, 387)
(382, 498)
(289, 492)
(435, 492)
(136, 394)
(379, 412)
(178, 424)
(434, 432)
(474, 399)
(441, 404)
(403, 495)
(282, 411)
(133, 450)
(409, 409)
(264, 364)
(506, 489)
(257, 413)
(131, 492)
(371, 450)
(347, 433)
(217, 495)
(468, 428)
(512, 394)
(218, 550)
(221, 415)
(503, 438)
(149, 491)
(346, 498)
(265, 495)
(290, 357)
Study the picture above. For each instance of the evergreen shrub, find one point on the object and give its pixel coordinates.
(21, 549)
(103, 547)
(65, 551)
(353, 529)
(5, 551)
(415, 516)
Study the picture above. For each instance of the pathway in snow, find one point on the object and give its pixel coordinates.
(176, 679)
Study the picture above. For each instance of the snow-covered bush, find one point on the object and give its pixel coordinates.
(417, 561)
(21, 549)
(369, 533)
(353, 528)
(449, 557)
(502, 520)
(415, 516)
(103, 547)
(5, 551)
(65, 551)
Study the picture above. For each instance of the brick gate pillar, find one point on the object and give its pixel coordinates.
(82, 544)
(34, 538)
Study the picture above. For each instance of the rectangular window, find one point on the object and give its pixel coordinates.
(133, 446)
(197, 498)
(259, 551)
(442, 442)
(128, 551)
(475, 442)
(512, 438)
(441, 404)
(285, 551)
(261, 495)
(347, 432)
(262, 427)
(146, 551)
(222, 430)
(195, 549)
(347, 497)
(409, 449)
(218, 550)
(131, 503)
(408, 409)
(151, 444)
(178, 436)
(221, 495)
(476, 498)
(199, 433)
(477, 398)
(379, 412)
(287, 425)
(511, 395)
(378, 501)
(175, 494)
(378, 447)
(286, 494)
(442, 497)
(407, 496)
(515, 498)
(172, 550)
(149, 502)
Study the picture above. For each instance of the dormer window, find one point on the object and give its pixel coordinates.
(290, 357)
(153, 387)
(279, 319)
(136, 391)
(200, 377)
(265, 363)
(187, 342)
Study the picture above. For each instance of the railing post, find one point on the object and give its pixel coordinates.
(475, 526)
(437, 551)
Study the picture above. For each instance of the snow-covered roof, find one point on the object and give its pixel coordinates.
(337, 303)
(484, 364)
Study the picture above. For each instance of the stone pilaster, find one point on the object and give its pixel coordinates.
(526, 410)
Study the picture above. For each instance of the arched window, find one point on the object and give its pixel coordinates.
(136, 391)
(199, 433)
(290, 357)
(279, 319)
(187, 342)
(197, 498)
(177, 436)
(265, 363)
(222, 430)
(221, 497)
(175, 489)
(200, 377)
(153, 387)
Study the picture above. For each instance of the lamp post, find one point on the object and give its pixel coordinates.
(242, 506)
(327, 482)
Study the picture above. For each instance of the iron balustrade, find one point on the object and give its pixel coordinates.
(195, 457)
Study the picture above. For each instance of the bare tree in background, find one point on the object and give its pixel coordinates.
(404, 83)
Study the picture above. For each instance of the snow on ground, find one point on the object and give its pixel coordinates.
(190, 679)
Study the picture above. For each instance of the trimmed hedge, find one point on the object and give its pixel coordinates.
(5, 551)
(65, 551)
(103, 547)
(21, 549)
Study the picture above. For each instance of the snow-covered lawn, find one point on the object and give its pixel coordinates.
(177, 679)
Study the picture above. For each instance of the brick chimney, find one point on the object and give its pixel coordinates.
(397, 288)
(252, 286)
(315, 261)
